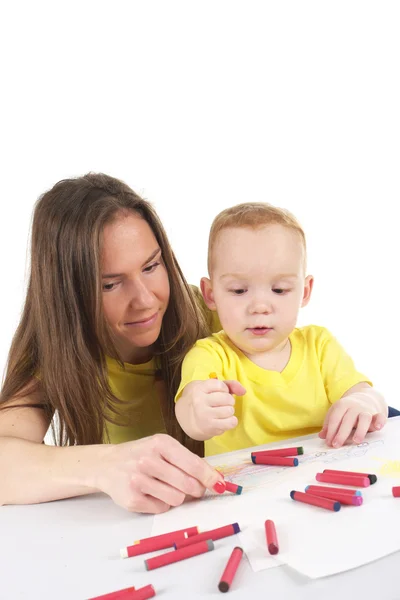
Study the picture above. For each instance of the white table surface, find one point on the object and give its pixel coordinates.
(69, 550)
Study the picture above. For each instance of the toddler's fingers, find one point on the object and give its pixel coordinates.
(335, 417)
(345, 428)
(378, 421)
(219, 426)
(363, 425)
(220, 399)
(222, 412)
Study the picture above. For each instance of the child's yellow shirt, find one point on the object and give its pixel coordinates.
(276, 405)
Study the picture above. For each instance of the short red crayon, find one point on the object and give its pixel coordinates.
(233, 487)
(124, 594)
(157, 542)
(396, 491)
(230, 569)
(280, 452)
(355, 480)
(349, 499)
(333, 505)
(272, 540)
(213, 534)
(275, 460)
(177, 555)
(372, 478)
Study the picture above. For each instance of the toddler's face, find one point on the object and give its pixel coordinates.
(259, 285)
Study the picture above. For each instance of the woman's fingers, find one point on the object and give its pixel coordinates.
(174, 453)
(165, 472)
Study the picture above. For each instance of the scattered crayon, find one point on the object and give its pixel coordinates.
(176, 555)
(315, 500)
(372, 478)
(355, 480)
(230, 569)
(272, 540)
(157, 542)
(275, 460)
(213, 534)
(280, 452)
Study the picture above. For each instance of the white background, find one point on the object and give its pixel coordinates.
(201, 105)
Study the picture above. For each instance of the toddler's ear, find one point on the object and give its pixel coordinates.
(206, 290)
(308, 286)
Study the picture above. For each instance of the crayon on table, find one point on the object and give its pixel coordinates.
(315, 500)
(280, 452)
(118, 595)
(230, 569)
(143, 593)
(355, 480)
(272, 540)
(347, 491)
(396, 491)
(157, 542)
(349, 499)
(372, 478)
(213, 534)
(274, 460)
(176, 555)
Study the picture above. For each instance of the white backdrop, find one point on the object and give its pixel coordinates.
(201, 105)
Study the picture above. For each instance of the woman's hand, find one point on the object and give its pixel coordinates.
(152, 474)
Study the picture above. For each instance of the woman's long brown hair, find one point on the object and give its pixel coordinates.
(60, 345)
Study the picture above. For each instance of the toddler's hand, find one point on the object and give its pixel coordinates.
(358, 412)
(207, 408)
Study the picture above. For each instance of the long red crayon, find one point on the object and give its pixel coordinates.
(327, 488)
(126, 593)
(213, 534)
(176, 555)
(350, 500)
(315, 500)
(280, 452)
(355, 480)
(372, 478)
(157, 542)
(275, 460)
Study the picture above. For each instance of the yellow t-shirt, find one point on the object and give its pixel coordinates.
(137, 387)
(276, 405)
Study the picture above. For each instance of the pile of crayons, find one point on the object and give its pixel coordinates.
(189, 542)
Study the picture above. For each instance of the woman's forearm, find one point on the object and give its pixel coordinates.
(31, 473)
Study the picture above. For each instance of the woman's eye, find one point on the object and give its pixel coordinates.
(107, 287)
(151, 267)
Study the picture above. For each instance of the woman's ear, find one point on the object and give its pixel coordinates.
(206, 290)
(308, 286)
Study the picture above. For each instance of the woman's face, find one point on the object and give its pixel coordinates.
(135, 286)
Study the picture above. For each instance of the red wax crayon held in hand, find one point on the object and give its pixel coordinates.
(233, 487)
(396, 491)
(272, 540)
(355, 480)
(230, 569)
(280, 452)
(274, 460)
(372, 478)
(176, 555)
(315, 500)
(213, 534)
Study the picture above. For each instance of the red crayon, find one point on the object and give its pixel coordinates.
(126, 593)
(272, 540)
(233, 487)
(143, 593)
(315, 500)
(372, 478)
(396, 491)
(274, 460)
(280, 452)
(176, 555)
(326, 488)
(213, 534)
(355, 480)
(157, 542)
(230, 569)
(349, 499)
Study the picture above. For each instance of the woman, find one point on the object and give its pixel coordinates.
(107, 320)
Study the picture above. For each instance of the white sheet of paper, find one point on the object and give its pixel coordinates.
(314, 541)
